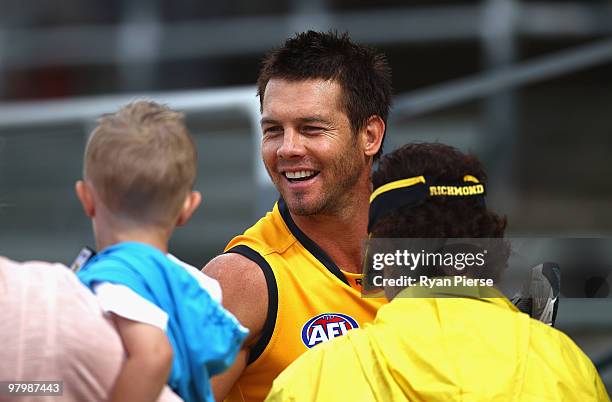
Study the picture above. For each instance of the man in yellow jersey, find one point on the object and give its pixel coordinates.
(294, 277)
(461, 343)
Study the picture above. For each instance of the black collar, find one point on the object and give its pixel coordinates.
(308, 244)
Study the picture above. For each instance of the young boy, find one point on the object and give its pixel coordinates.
(139, 168)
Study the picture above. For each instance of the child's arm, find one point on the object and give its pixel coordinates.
(148, 363)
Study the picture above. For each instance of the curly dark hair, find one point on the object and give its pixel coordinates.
(442, 217)
(363, 74)
(437, 217)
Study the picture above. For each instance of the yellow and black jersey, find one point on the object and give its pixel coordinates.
(311, 300)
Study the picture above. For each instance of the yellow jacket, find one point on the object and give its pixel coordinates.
(444, 349)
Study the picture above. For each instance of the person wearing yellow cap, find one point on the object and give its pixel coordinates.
(462, 343)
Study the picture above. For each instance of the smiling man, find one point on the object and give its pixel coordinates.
(294, 277)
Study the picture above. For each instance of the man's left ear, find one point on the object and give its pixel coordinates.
(191, 203)
(373, 135)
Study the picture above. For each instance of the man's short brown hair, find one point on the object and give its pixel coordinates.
(362, 72)
(142, 162)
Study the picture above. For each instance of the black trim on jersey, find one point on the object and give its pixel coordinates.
(308, 244)
(268, 328)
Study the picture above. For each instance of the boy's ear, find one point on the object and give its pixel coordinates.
(84, 194)
(192, 202)
(373, 135)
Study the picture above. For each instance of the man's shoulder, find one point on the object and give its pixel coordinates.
(544, 337)
(244, 288)
(234, 268)
(268, 235)
(552, 348)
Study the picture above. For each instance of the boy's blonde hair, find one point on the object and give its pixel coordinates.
(142, 162)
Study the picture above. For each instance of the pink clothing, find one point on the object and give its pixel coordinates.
(52, 329)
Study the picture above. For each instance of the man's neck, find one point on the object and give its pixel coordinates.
(340, 235)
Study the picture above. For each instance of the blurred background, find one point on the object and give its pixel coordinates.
(525, 85)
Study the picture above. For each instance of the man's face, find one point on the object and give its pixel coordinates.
(308, 146)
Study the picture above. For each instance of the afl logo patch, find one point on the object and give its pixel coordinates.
(325, 327)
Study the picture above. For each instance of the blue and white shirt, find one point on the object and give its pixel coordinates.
(204, 336)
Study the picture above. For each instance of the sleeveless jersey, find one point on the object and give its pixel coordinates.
(310, 300)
